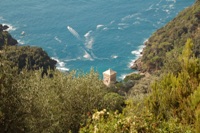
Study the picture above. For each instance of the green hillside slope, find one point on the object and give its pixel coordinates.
(170, 38)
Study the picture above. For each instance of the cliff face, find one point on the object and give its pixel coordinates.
(5, 37)
(171, 37)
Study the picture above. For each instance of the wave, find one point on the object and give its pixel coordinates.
(122, 76)
(138, 52)
(159, 3)
(99, 26)
(62, 68)
(114, 56)
(145, 41)
(150, 8)
(57, 39)
(130, 16)
(60, 65)
(136, 22)
(112, 21)
(20, 42)
(171, 6)
(87, 56)
(68, 60)
(89, 40)
(167, 11)
(105, 29)
(23, 33)
(131, 63)
(172, 0)
(74, 32)
(123, 24)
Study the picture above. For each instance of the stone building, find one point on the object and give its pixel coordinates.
(109, 77)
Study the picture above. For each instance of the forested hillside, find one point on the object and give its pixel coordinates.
(170, 39)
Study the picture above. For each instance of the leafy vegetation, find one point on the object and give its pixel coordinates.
(30, 103)
(32, 58)
(133, 76)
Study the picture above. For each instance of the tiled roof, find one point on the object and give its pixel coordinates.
(109, 72)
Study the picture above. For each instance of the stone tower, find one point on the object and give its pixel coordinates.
(109, 77)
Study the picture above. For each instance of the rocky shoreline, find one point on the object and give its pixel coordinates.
(5, 37)
(3, 27)
(137, 64)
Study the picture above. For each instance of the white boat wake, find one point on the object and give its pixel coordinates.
(73, 32)
(87, 43)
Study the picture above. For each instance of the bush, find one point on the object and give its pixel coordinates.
(171, 96)
(113, 102)
(133, 76)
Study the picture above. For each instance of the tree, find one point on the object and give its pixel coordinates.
(171, 96)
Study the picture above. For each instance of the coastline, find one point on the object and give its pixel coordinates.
(137, 63)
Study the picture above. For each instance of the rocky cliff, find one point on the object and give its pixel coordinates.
(5, 37)
(33, 58)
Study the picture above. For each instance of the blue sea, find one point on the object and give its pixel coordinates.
(81, 34)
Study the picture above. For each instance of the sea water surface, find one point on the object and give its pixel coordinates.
(81, 34)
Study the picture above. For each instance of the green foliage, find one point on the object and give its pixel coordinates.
(106, 122)
(175, 95)
(125, 85)
(195, 98)
(122, 87)
(133, 76)
(136, 118)
(171, 63)
(30, 103)
(142, 86)
(113, 101)
(31, 58)
(9, 104)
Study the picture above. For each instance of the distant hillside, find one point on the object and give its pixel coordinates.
(32, 58)
(170, 38)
